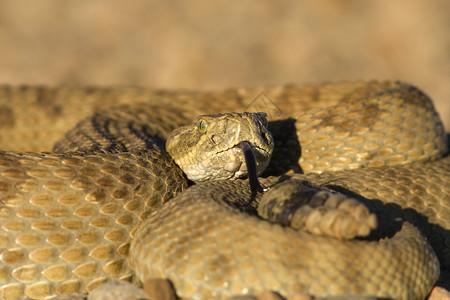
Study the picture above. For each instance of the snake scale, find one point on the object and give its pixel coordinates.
(67, 216)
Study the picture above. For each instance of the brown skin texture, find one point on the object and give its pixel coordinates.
(53, 173)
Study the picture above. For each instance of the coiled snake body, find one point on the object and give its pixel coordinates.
(66, 216)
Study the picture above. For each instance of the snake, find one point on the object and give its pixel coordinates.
(89, 192)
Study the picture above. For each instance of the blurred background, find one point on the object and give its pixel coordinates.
(219, 44)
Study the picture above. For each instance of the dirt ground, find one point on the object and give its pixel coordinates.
(213, 45)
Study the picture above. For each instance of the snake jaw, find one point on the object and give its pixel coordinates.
(240, 167)
(226, 164)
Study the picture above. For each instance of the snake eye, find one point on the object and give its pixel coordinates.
(202, 126)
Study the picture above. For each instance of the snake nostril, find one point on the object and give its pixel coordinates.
(266, 138)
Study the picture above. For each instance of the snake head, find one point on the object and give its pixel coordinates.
(210, 148)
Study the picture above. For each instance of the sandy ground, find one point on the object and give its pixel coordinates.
(214, 45)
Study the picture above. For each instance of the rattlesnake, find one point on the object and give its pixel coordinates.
(66, 215)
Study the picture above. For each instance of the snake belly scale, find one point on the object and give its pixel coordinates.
(67, 216)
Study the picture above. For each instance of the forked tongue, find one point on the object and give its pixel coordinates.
(252, 173)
